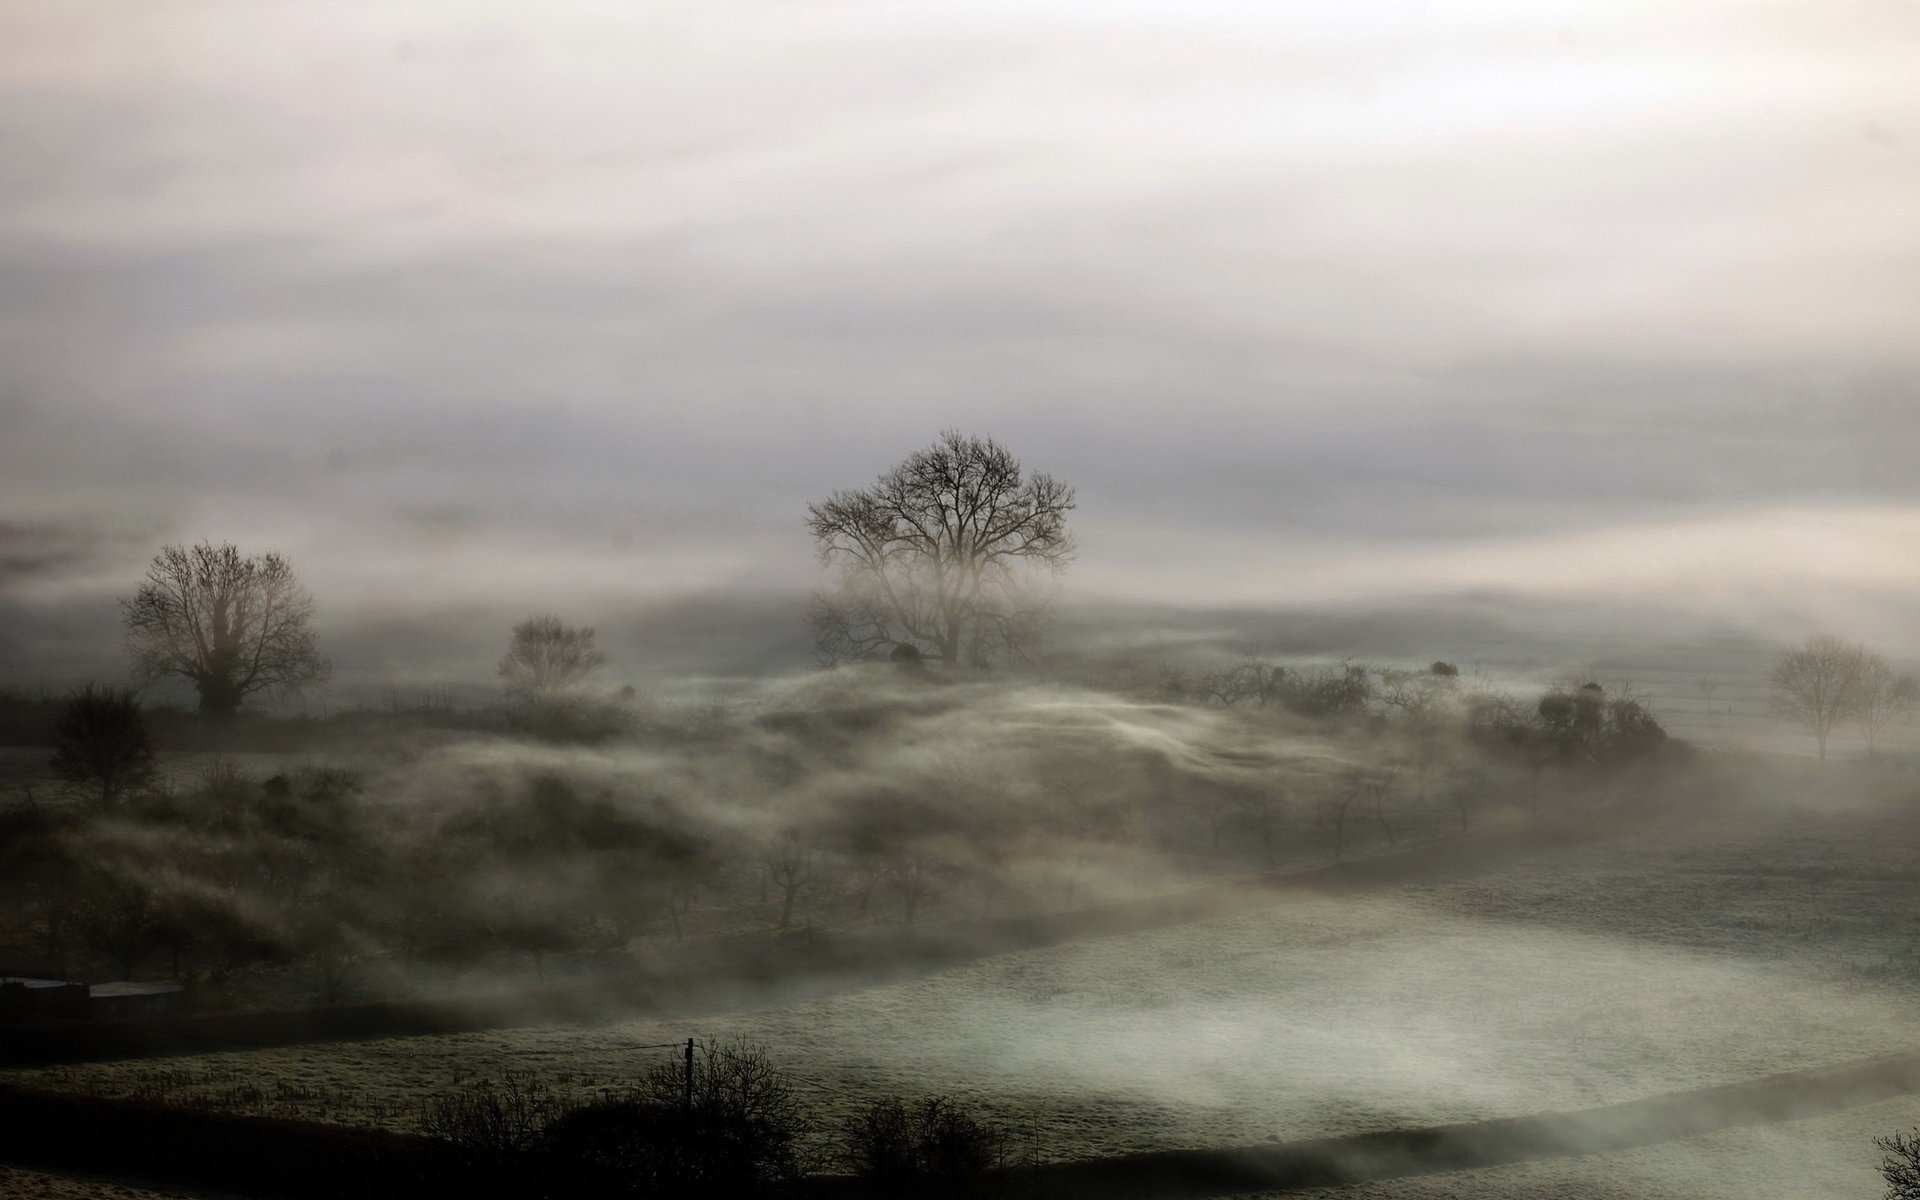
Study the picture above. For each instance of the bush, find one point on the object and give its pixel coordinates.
(100, 740)
(736, 1134)
(932, 1148)
(495, 1127)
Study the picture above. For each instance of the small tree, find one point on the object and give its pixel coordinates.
(100, 741)
(548, 659)
(1883, 696)
(1819, 684)
(790, 862)
(229, 623)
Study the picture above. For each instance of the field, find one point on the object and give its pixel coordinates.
(1696, 948)
(18, 1184)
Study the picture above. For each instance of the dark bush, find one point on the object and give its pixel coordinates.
(728, 1129)
(932, 1148)
(100, 740)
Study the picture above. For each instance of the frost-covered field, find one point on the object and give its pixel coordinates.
(1823, 1158)
(1688, 952)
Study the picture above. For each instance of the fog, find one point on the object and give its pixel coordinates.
(1157, 600)
(586, 303)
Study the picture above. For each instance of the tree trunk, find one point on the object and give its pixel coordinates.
(219, 699)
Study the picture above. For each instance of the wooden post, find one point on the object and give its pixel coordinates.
(687, 1094)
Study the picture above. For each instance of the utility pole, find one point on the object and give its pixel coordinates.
(687, 1091)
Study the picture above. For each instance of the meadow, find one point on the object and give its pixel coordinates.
(1697, 946)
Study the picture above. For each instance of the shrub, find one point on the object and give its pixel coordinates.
(932, 1148)
(495, 1127)
(736, 1133)
(100, 740)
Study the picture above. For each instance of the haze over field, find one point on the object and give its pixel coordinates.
(1077, 598)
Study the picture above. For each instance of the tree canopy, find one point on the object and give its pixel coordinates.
(231, 624)
(953, 552)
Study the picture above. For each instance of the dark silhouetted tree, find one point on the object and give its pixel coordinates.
(548, 659)
(1819, 684)
(953, 552)
(100, 741)
(231, 624)
(1901, 1166)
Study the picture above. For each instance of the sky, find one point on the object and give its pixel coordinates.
(1312, 303)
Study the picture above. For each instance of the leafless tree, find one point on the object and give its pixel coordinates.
(547, 659)
(1337, 807)
(954, 551)
(790, 863)
(1420, 695)
(1707, 687)
(229, 623)
(913, 876)
(1901, 1166)
(100, 740)
(1819, 684)
(1883, 695)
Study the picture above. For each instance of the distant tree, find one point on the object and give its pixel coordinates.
(1707, 687)
(1585, 725)
(100, 740)
(1574, 718)
(1337, 807)
(1819, 684)
(948, 552)
(231, 624)
(789, 861)
(548, 659)
(1420, 695)
(1883, 696)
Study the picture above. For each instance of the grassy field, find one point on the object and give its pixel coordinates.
(1696, 949)
(18, 1184)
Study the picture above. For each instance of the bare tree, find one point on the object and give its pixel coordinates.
(1901, 1166)
(1883, 695)
(548, 659)
(953, 552)
(1337, 807)
(100, 740)
(1818, 684)
(1707, 687)
(790, 863)
(229, 623)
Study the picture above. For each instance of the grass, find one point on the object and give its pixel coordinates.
(1654, 962)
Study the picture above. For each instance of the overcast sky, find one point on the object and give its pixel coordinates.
(1310, 300)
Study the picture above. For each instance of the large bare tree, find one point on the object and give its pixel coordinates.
(1819, 684)
(229, 623)
(953, 552)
